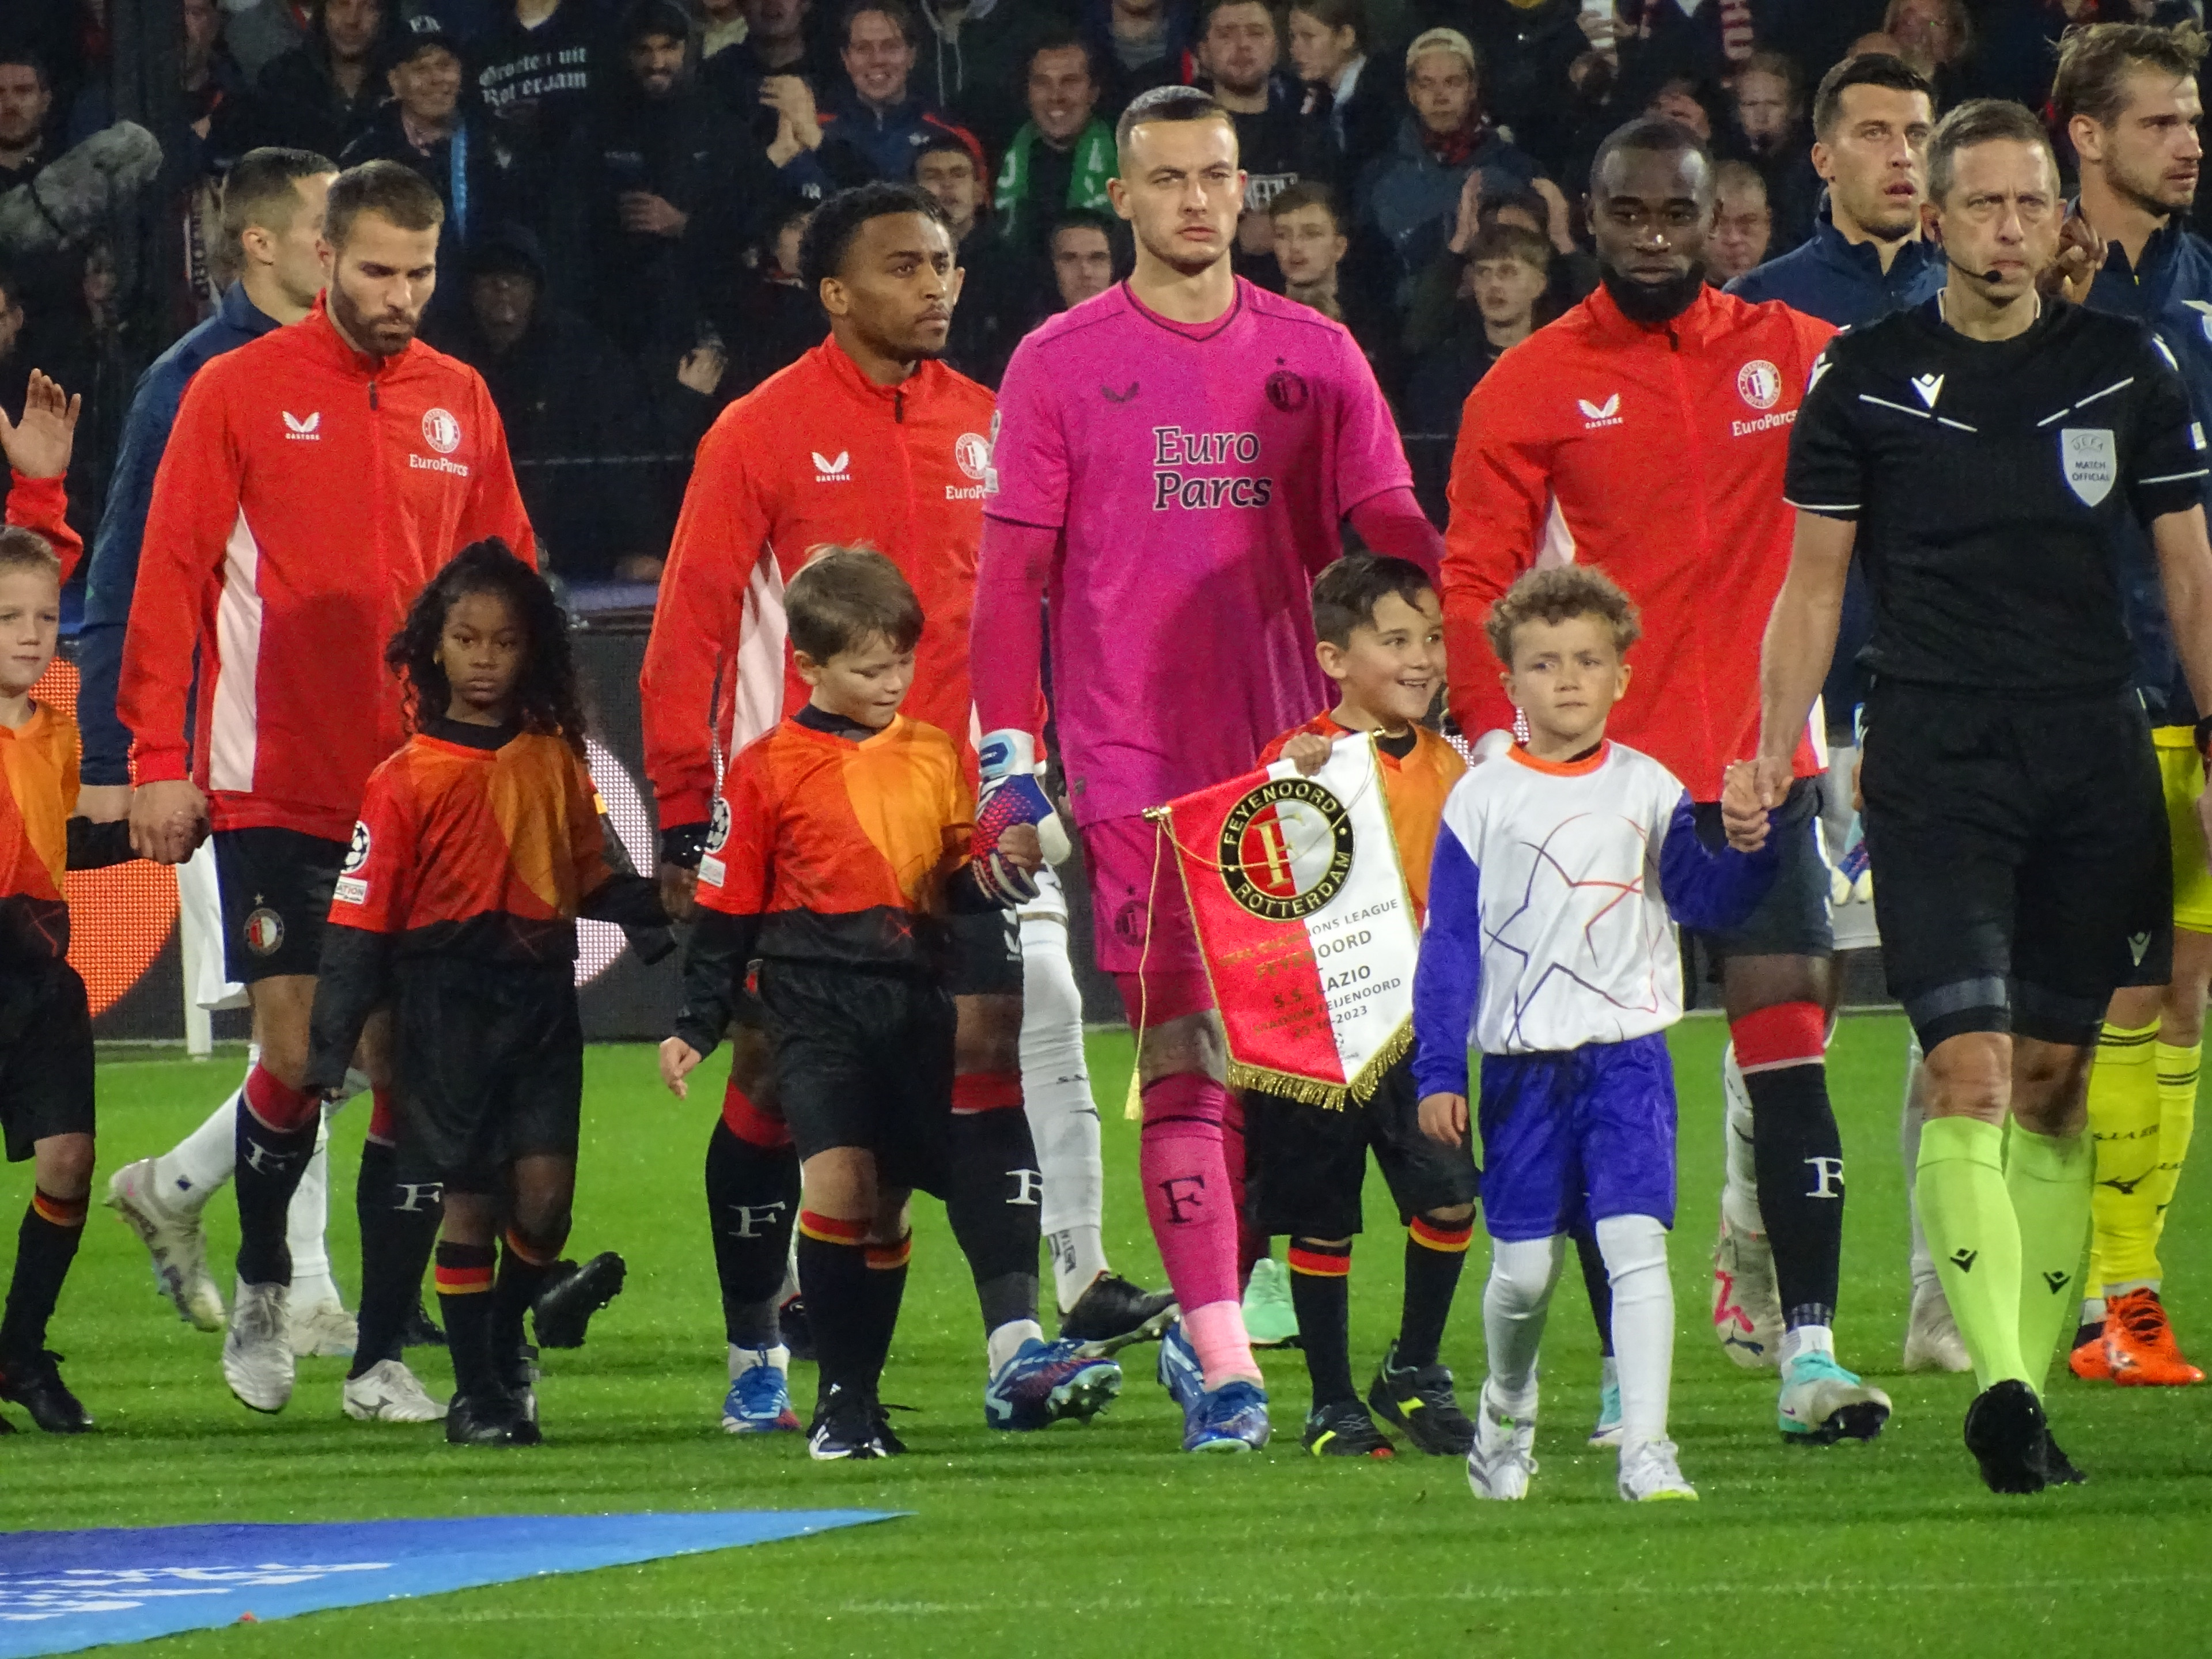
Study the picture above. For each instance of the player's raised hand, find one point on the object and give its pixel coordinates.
(1443, 1118)
(39, 445)
(2080, 256)
(1743, 814)
(678, 1060)
(1308, 752)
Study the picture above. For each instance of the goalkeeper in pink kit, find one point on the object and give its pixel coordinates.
(1171, 465)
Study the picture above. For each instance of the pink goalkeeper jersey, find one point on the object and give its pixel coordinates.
(1199, 477)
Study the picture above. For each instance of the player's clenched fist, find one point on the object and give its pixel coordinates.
(1743, 810)
(1443, 1118)
(678, 1058)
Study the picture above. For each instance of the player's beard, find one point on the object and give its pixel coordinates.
(1186, 264)
(1651, 304)
(379, 336)
(2144, 194)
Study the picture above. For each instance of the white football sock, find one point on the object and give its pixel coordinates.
(305, 1223)
(1003, 1343)
(743, 1359)
(1739, 1192)
(1909, 1118)
(1062, 1116)
(1078, 1259)
(196, 1169)
(1635, 1251)
(1522, 1274)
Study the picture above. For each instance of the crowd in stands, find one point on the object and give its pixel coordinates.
(626, 181)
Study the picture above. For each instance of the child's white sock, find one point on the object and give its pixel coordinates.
(1522, 1274)
(1635, 1251)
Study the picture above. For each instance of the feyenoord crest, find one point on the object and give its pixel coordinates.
(718, 827)
(265, 932)
(1286, 849)
(441, 431)
(357, 849)
(2091, 465)
(973, 452)
(1759, 383)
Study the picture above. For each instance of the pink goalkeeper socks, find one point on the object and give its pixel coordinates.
(1193, 1208)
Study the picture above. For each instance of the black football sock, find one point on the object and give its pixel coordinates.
(1321, 1292)
(1599, 1284)
(1435, 1253)
(884, 1290)
(833, 1277)
(465, 1293)
(752, 1200)
(270, 1161)
(45, 1244)
(526, 1269)
(398, 1229)
(1797, 1153)
(993, 1200)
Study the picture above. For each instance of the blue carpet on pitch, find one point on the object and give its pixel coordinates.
(60, 1591)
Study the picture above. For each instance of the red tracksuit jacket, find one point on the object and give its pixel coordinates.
(306, 494)
(1656, 454)
(817, 454)
(39, 504)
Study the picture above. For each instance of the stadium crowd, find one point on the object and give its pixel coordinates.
(626, 184)
(651, 212)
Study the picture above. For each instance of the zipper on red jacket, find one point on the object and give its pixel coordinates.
(372, 394)
(898, 406)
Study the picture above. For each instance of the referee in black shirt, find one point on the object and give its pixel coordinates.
(1980, 453)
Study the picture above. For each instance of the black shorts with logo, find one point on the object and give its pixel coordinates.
(489, 1064)
(276, 886)
(864, 1060)
(1306, 1165)
(2022, 866)
(45, 1056)
(1792, 919)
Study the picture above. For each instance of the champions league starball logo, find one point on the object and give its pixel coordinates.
(1285, 849)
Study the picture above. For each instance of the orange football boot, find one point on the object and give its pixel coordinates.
(2087, 1358)
(2139, 1346)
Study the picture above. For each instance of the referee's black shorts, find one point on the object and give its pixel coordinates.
(2022, 871)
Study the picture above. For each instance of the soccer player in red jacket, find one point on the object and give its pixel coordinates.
(315, 479)
(1646, 432)
(869, 440)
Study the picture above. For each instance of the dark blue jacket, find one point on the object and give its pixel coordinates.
(1842, 282)
(113, 572)
(2171, 293)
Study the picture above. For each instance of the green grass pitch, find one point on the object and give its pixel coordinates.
(1108, 1540)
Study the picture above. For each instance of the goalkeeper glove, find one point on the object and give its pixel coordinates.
(1012, 795)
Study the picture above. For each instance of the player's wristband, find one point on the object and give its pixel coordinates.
(2204, 739)
(1007, 752)
(683, 844)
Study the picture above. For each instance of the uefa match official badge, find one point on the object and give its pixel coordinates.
(1286, 849)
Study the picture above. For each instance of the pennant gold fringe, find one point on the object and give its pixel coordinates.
(1331, 1097)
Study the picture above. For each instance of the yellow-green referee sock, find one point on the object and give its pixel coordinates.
(1975, 1237)
(2049, 1177)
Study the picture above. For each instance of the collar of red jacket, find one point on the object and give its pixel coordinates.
(1704, 319)
(324, 333)
(927, 376)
